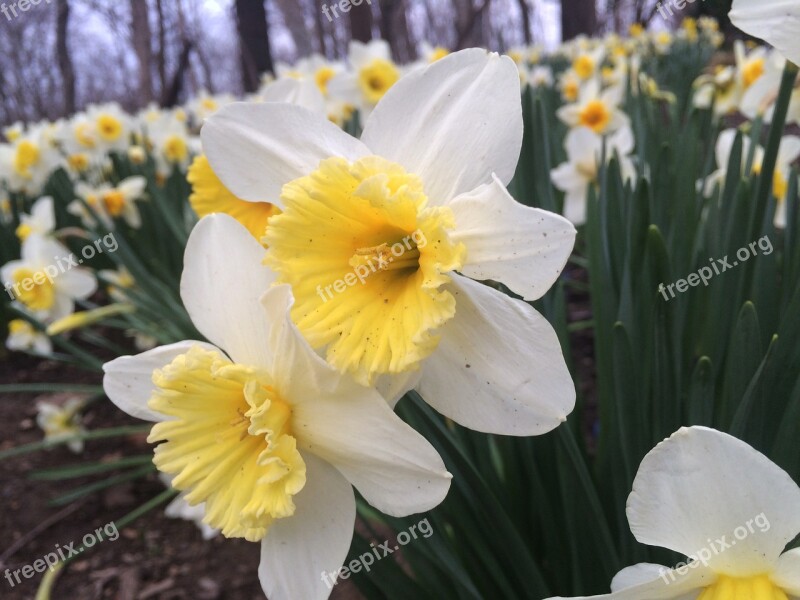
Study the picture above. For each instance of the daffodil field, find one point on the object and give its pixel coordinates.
(547, 303)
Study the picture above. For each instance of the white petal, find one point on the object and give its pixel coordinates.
(302, 92)
(222, 284)
(575, 206)
(453, 123)
(298, 550)
(77, 283)
(774, 21)
(499, 367)
(669, 585)
(394, 467)
(128, 380)
(787, 575)
(636, 575)
(394, 387)
(299, 371)
(524, 248)
(700, 485)
(257, 148)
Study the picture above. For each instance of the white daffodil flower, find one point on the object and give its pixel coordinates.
(45, 280)
(584, 153)
(774, 21)
(716, 500)
(261, 429)
(110, 202)
(61, 421)
(41, 221)
(371, 75)
(598, 110)
(373, 231)
(22, 337)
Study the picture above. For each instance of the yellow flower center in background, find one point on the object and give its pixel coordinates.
(109, 127)
(209, 104)
(26, 156)
(23, 231)
(34, 289)
(114, 202)
(322, 77)
(752, 71)
(570, 90)
(79, 162)
(749, 588)
(780, 186)
(376, 78)
(366, 259)
(228, 442)
(595, 115)
(83, 133)
(438, 53)
(584, 66)
(175, 149)
(20, 327)
(209, 195)
(636, 30)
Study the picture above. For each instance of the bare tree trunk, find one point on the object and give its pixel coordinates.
(140, 25)
(256, 56)
(525, 9)
(173, 92)
(162, 48)
(361, 22)
(469, 32)
(578, 17)
(64, 57)
(320, 26)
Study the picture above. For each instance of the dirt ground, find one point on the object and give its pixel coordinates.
(155, 558)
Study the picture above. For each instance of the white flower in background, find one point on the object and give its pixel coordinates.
(584, 153)
(61, 421)
(204, 105)
(315, 68)
(28, 161)
(760, 97)
(728, 85)
(662, 41)
(110, 202)
(43, 283)
(112, 126)
(429, 54)
(540, 76)
(570, 86)
(261, 429)
(14, 131)
(586, 65)
(774, 21)
(424, 187)
(171, 143)
(788, 152)
(598, 110)
(372, 73)
(23, 337)
(41, 220)
(179, 508)
(708, 496)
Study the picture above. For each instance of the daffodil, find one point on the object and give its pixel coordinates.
(371, 76)
(23, 337)
(110, 129)
(204, 105)
(711, 497)
(584, 153)
(382, 239)
(110, 202)
(596, 109)
(44, 281)
(40, 221)
(261, 429)
(774, 21)
(60, 421)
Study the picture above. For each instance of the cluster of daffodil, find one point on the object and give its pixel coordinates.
(289, 275)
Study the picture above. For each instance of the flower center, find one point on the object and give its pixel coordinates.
(110, 128)
(322, 77)
(228, 442)
(175, 149)
(34, 289)
(366, 259)
(23, 231)
(752, 70)
(753, 588)
(114, 202)
(27, 156)
(79, 162)
(376, 78)
(595, 116)
(583, 66)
